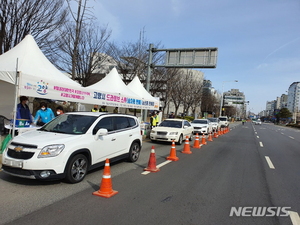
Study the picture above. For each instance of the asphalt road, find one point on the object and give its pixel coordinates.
(251, 166)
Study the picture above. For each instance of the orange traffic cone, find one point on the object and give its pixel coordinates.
(106, 190)
(210, 137)
(152, 162)
(203, 140)
(215, 135)
(187, 149)
(172, 155)
(197, 142)
(219, 132)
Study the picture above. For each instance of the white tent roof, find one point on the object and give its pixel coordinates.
(136, 86)
(31, 61)
(112, 83)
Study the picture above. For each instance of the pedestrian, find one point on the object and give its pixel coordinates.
(43, 115)
(103, 109)
(23, 111)
(154, 120)
(59, 110)
(172, 115)
(116, 110)
(95, 109)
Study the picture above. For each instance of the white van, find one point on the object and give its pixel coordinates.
(71, 145)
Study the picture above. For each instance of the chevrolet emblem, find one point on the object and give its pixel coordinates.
(18, 148)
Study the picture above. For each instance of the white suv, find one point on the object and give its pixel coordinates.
(71, 145)
(224, 121)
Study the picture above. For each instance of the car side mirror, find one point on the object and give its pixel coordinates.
(185, 126)
(101, 132)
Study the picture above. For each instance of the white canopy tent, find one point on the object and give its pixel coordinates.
(137, 87)
(38, 77)
(122, 95)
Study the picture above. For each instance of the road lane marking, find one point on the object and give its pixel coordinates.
(158, 166)
(261, 144)
(291, 137)
(294, 218)
(269, 162)
(282, 133)
(257, 136)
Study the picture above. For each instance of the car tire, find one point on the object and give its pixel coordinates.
(76, 169)
(191, 137)
(179, 142)
(134, 152)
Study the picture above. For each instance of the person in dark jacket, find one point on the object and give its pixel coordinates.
(23, 111)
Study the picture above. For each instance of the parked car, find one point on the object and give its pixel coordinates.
(72, 144)
(215, 122)
(224, 121)
(172, 130)
(257, 122)
(202, 126)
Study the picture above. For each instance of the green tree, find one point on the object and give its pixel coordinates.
(284, 113)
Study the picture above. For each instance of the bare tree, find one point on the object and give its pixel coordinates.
(20, 17)
(78, 46)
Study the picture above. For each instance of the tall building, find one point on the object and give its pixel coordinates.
(235, 99)
(293, 103)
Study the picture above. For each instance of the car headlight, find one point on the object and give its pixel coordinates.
(51, 151)
(173, 133)
(204, 127)
(153, 132)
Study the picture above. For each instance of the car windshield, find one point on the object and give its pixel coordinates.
(171, 123)
(200, 121)
(213, 119)
(223, 119)
(69, 124)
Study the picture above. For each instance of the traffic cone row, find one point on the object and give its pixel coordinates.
(106, 190)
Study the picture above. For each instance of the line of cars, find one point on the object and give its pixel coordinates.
(74, 143)
(177, 129)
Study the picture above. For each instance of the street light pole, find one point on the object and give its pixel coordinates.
(222, 101)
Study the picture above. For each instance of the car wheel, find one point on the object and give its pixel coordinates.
(76, 169)
(134, 152)
(179, 142)
(191, 137)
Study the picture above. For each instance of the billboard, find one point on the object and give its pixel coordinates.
(190, 58)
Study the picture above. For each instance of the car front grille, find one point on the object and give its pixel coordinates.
(19, 155)
(162, 133)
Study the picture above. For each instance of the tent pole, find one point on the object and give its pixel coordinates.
(16, 100)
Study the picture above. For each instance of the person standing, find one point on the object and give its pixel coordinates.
(172, 116)
(154, 120)
(59, 110)
(116, 110)
(43, 115)
(103, 109)
(95, 109)
(23, 111)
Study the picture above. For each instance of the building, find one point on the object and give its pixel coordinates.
(235, 100)
(293, 102)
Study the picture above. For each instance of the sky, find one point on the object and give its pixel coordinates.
(258, 41)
